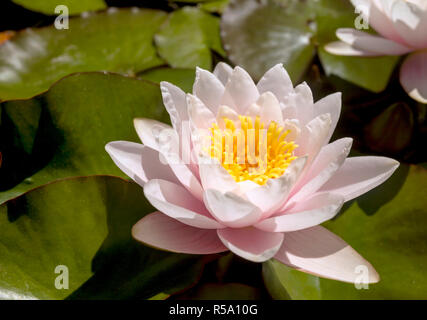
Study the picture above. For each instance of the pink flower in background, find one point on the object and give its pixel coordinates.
(402, 29)
(213, 206)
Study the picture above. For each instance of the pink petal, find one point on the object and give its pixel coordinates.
(223, 71)
(160, 231)
(226, 112)
(269, 108)
(128, 157)
(177, 203)
(313, 137)
(214, 176)
(175, 103)
(379, 18)
(358, 175)
(328, 161)
(422, 4)
(138, 162)
(186, 178)
(275, 192)
(410, 21)
(253, 110)
(277, 81)
(305, 214)
(330, 104)
(294, 129)
(152, 133)
(200, 116)
(366, 42)
(288, 111)
(230, 209)
(208, 89)
(302, 101)
(240, 91)
(149, 131)
(344, 49)
(322, 253)
(250, 243)
(413, 76)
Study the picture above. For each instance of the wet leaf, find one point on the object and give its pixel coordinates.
(259, 34)
(74, 6)
(73, 129)
(116, 40)
(83, 225)
(186, 39)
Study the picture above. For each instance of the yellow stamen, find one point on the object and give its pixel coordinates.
(240, 150)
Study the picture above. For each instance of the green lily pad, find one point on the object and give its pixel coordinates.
(115, 40)
(388, 226)
(84, 224)
(79, 115)
(259, 34)
(217, 6)
(183, 78)
(372, 73)
(74, 6)
(187, 37)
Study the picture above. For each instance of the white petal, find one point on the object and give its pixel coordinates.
(177, 203)
(320, 252)
(208, 89)
(253, 110)
(330, 104)
(377, 13)
(293, 127)
(222, 71)
(358, 175)
(380, 20)
(175, 103)
(302, 102)
(226, 112)
(410, 21)
(366, 42)
(329, 160)
(230, 209)
(288, 111)
(200, 116)
(139, 162)
(214, 176)
(128, 157)
(274, 193)
(150, 131)
(240, 91)
(250, 243)
(313, 137)
(277, 81)
(269, 108)
(164, 139)
(344, 49)
(305, 214)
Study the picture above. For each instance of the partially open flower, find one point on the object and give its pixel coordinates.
(248, 168)
(401, 25)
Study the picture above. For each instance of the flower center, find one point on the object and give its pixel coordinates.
(252, 152)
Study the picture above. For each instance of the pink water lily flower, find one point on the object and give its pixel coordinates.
(207, 207)
(402, 28)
